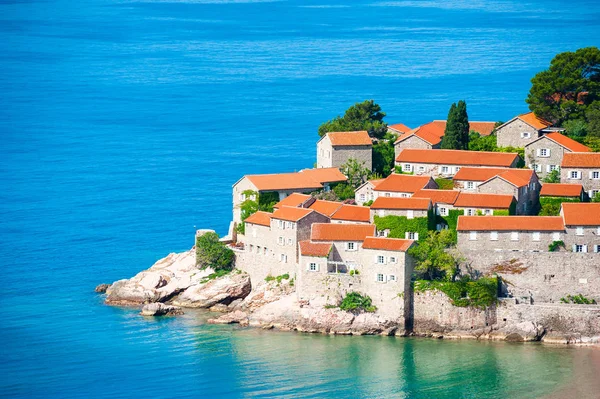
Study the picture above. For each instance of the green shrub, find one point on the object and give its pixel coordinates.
(555, 245)
(550, 206)
(279, 279)
(354, 272)
(368, 203)
(212, 276)
(578, 299)
(210, 252)
(464, 292)
(399, 225)
(552, 177)
(356, 303)
(445, 184)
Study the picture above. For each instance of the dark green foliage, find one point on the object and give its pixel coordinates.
(361, 116)
(482, 143)
(433, 260)
(357, 303)
(445, 184)
(554, 245)
(279, 279)
(556, 93)
(550, 206)
(465, 292)
(596, 198)
(266, 201)
(552, 177)
(399, 225)
(210, 252)
(215, 275)
(451, 221)
(250, 206)
(592, 115)
(456, 135)
(383, 157)
(502, 212)
(578, 299)
(398, 170)
(575, 128)
(343, 191)
(368, 203)
(356, 172)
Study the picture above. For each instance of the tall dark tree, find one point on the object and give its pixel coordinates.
(456, 135)
(361, 116)
(563, 91)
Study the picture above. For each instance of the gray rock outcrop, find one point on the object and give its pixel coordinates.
(223, 290)
(160, 309)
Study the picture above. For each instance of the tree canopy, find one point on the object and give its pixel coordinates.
(456, 135)
(210, 252)
(566, 89)
(433, 259)
(361, 116)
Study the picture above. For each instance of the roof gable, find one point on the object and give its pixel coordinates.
(399, 127)
(457, 157)
(294, 199)
(340, 139)
(326, 208)
(291, 214)
(260, 218)
(563, 141)
(534, 121)
(317, 249)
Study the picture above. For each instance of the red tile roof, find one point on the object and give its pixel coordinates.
(290, 214)
(510, 223)
(399, 127)
(561, 190)
(534, 121)
(483, 128)
(443, 196)
(284, 181)
(478, 174)
(567, 142)
(341, 231)
(260, 217)
(326, 208)
(457, 157)
(294, 199)
(319, 249)
(431, 132)
(324, 175)
(387, 244)
(477, 200)
(517, 177)
(398, 183)
(581, 160)
(353, 213)
(581, 214)
(350, 138)
(401, 203)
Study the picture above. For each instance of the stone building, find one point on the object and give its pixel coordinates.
(470, 203)
(562, 191)
(442, 200)
(364, 193)
(284, 184)
(393, 206)
(469, 179)
(582, 168)
(398, 129)
(336, 148)
(351, 214)
(582, 225)
(446, 163)
(395, 185)
(522, 130)
(545, 154)
(523, 184)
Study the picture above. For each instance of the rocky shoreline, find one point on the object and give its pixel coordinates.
(175, 282)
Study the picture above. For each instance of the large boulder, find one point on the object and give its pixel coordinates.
(223, 290)
(165, 279)
(236, 316)
(526, 331)
(264, 294)
(160, 309)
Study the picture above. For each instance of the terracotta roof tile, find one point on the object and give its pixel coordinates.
(477, 200)
(353, 213)
(326, 208)
(399, 127)
(581, 160)
(387, 244)
(478, 174)
(431, 132)
(401, 203)
(581, 214)
(510, 223)
(291, 214)
(319, 249)
(349, 138)
(561, 190)
(341, 231)
(567, 142)
(443, 196)
(294, 199)
(324, 175)
(457, 157)
(483, 128)
(517, 177)
(399, 183)
(284, 181)
(260, 217)
(534, 121)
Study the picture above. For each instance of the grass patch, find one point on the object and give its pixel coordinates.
(212, 276)
(279, 279)
(445, 184)
(578, 299)
(465, 292)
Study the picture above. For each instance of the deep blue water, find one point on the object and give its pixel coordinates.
(123, 126)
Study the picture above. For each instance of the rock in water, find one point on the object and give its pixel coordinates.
(231, 318)
(223, 290)
(160, 309)
(101, 288)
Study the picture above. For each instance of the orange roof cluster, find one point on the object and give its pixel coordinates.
(477, 200)
(517, 177)
(294, 199)
(581, 214)
(319, 249)
(399, 127)
(483, 128)
(438, 196)
(457, 157)
(566, 142)
(353, 213)
(290, 214)
(510, 223)
(401, 203)
(326, 208)
(431, 132)
(534, 121)
(308, 179)
(341, 231)
(399, 183)
(260, 217)
(581, 160)
(387, 244)
(561, 190)
(349, 138)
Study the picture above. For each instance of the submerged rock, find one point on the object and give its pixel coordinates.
(222, 290)
(101, 288)
(160, 309)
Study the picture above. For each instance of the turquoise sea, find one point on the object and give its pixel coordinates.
(124, 124)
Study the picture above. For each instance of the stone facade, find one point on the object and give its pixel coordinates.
(518, 241)
(528, 197)
(544, 155)
(429, 169)
(584, 176)
(335, 156)
(516, 133)
(413, 141)
(409, 213)
(365, 193)
(583, 239)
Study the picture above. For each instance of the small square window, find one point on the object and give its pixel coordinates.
(556, 236)
(535, 236)
(494, 236)
(290, 242)
(380, 259)
(514, 236)
(578, 248)
(595, 175)
(392, 259)
(380, 278)
(473, 235)
(579, 231)
(312, 267)
(444, 211)
(362, 198)
(350, 246)
(391, 277)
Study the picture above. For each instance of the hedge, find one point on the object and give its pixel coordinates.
(550, 206)
(398, 225)
(465, 292)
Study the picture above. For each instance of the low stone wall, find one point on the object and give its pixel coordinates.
(545, 277)
(433, 312)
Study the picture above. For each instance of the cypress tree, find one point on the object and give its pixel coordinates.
(456, 135)
(450, 141)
